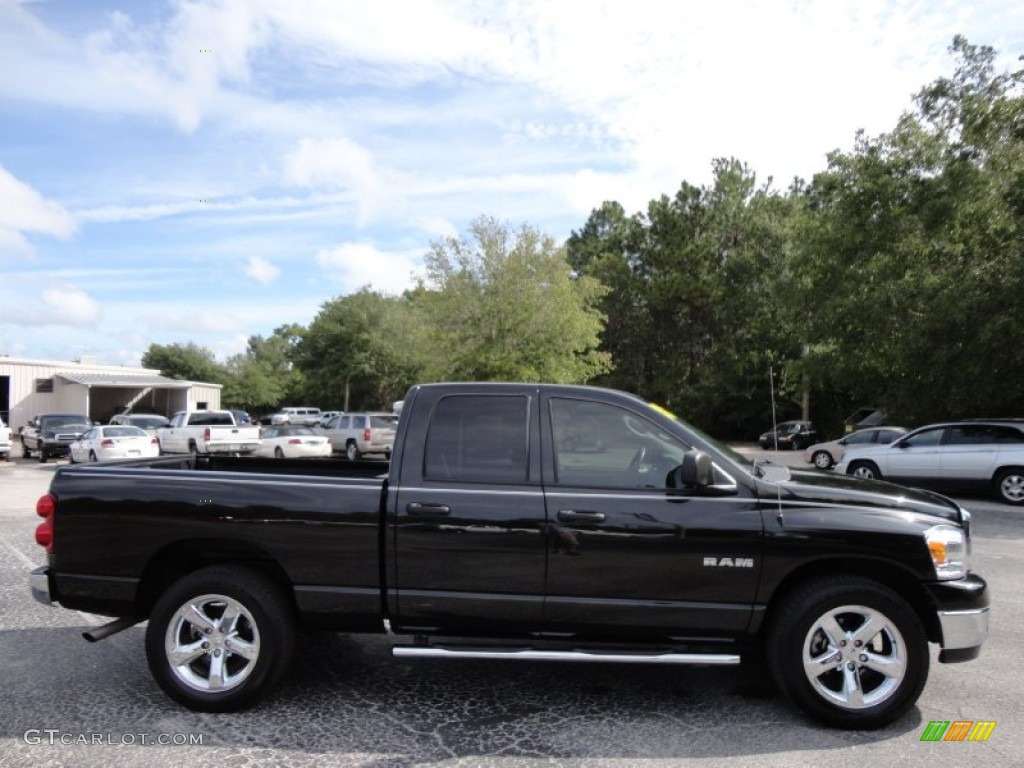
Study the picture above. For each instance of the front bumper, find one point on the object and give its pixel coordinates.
(39, 583)
(963, 612)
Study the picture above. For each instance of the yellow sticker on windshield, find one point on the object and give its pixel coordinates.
(663, 411)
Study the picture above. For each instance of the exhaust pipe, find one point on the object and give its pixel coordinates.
(117, 625)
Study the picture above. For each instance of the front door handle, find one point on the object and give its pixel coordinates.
(427, 510)
(580, 516)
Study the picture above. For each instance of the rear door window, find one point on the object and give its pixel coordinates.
(479, 439)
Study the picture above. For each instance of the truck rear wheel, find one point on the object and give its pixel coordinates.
(220, 638)
(849, 652)
(352, 451)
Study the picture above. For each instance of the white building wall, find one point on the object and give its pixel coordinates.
(204, 393)
(26, 403)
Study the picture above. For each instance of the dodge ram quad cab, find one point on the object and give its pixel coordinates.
(492, 535)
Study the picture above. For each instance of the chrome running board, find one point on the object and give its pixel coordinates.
(521, 654)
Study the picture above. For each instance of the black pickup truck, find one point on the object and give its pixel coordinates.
(522, 521)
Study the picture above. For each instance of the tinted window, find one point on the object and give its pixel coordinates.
(925, 437)
(600, 445)
(383, 422)
(970, 435)
(478, 439)
(858, 438)
(343, 422)
(211, 419)
(886, 436)
(1008, 435)
(358, 422)
(269, 433)
(984, 434)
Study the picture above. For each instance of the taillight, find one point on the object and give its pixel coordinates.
(108, 443)
(206, 434)
(294, 441)
(154, 441)
(366, 435)
(45, 508)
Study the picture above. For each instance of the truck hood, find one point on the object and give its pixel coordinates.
(818, 487)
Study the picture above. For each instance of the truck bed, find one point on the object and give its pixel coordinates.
(318, 521)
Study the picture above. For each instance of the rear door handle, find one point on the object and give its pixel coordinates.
(580, 516)
(424, 510)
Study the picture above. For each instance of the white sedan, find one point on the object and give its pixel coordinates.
(114, 442)
(286, 441)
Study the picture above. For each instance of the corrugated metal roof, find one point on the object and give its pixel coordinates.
(123, 380)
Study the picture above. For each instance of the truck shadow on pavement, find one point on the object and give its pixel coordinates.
(347, 696)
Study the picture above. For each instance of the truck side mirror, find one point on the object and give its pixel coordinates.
(695, 471)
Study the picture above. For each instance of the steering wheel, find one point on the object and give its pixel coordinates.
(638, 459)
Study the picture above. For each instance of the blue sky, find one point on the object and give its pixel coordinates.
(208, 170)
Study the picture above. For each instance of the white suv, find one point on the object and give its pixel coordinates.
(306, 417)
(356, 434)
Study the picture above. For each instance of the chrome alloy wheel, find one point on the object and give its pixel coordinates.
(854, 657)
(212, 643)
(1011, 486)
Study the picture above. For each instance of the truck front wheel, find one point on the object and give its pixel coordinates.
(849, 652)
(220, 638)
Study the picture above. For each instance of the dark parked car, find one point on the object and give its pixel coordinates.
(794, 435)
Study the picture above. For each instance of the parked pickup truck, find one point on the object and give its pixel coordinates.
(492, 536)
(207, 432)
(51, 434)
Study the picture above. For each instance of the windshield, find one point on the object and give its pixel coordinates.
(64, 420)
(147, 422)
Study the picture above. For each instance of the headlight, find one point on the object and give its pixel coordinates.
(948, 547)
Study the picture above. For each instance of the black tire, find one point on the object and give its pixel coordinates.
(798, 632)
(822, 460)
(264, 624)
(866, 469)
(92, 456)
(352, 451)
(278, 453)
(1010, 485)
(43, 456)
(194, 450)
(25, 452)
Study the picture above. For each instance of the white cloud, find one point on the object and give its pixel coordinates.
(66, 305)
(194, 321)
(355, 265)
(22, 209)
(261, 270)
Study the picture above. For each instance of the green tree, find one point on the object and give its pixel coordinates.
(362, 350)
(504, 305)
(265, 376)
(693, 317)
(912, 262)
(187, 361)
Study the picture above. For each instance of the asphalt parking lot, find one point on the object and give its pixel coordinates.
(349, 703)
